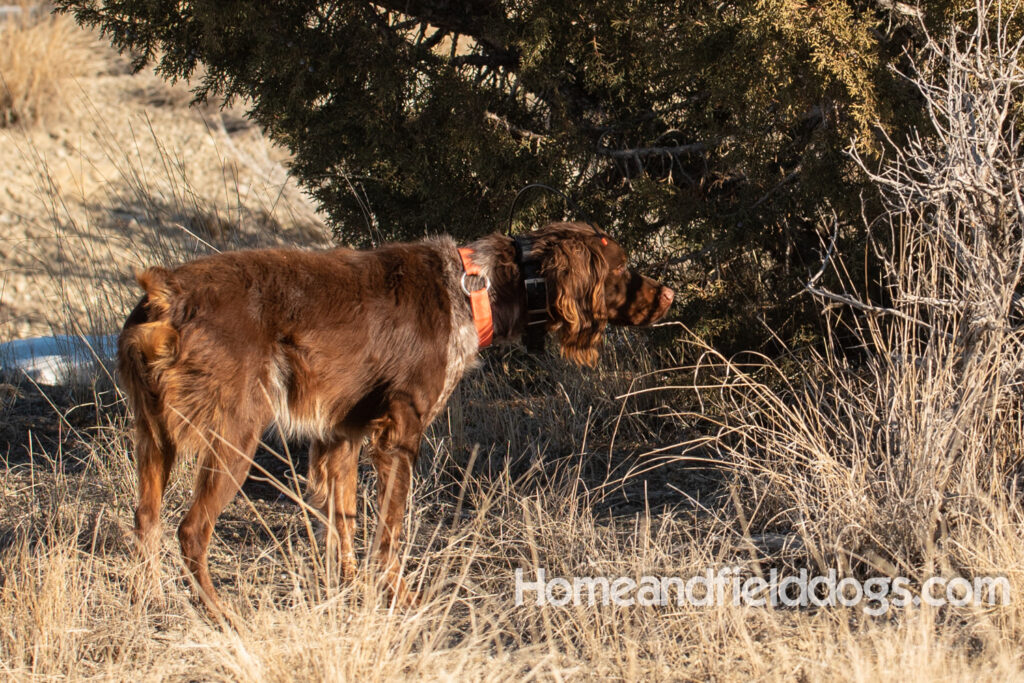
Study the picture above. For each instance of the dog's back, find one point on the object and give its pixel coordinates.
(298, 336)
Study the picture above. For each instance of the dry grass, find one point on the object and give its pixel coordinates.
(900, 460)
(41, 55)
(68, 587)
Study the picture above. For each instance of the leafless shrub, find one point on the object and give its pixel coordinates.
(906, 460)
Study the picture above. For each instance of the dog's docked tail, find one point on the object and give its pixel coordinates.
(148, 343)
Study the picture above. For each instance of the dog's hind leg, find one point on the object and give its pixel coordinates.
(333, 469)
(223, 467)
(154, 456)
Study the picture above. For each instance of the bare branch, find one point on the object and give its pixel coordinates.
(828, 253)
(504, 60)
(692, 149)
(515, 130)
(902, 8)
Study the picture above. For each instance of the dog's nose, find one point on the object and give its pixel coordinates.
(666, 297)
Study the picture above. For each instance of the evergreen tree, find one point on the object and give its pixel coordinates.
(708, 136)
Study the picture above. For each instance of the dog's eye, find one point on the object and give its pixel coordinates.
(619, 271)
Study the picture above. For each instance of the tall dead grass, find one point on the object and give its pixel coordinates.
(41, 55)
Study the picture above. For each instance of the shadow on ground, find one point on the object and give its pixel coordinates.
(525, 445)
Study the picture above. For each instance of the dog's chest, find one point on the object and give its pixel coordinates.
(462, 353)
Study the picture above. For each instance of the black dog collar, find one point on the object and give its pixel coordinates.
(536, 295)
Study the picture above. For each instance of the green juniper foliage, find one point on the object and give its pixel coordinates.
(708, 136)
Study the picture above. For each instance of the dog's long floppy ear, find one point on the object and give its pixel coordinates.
(575, 273)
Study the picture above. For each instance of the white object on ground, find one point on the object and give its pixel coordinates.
(58, 359)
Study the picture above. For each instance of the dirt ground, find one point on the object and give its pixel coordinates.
(123, 157)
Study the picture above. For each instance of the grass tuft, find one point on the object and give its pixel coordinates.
(41, 56)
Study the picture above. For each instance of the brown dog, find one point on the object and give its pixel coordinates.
(339, 346)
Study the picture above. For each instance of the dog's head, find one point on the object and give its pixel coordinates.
(590, 285)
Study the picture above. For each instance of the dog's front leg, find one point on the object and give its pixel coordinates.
(333, 469)
(394, 454)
